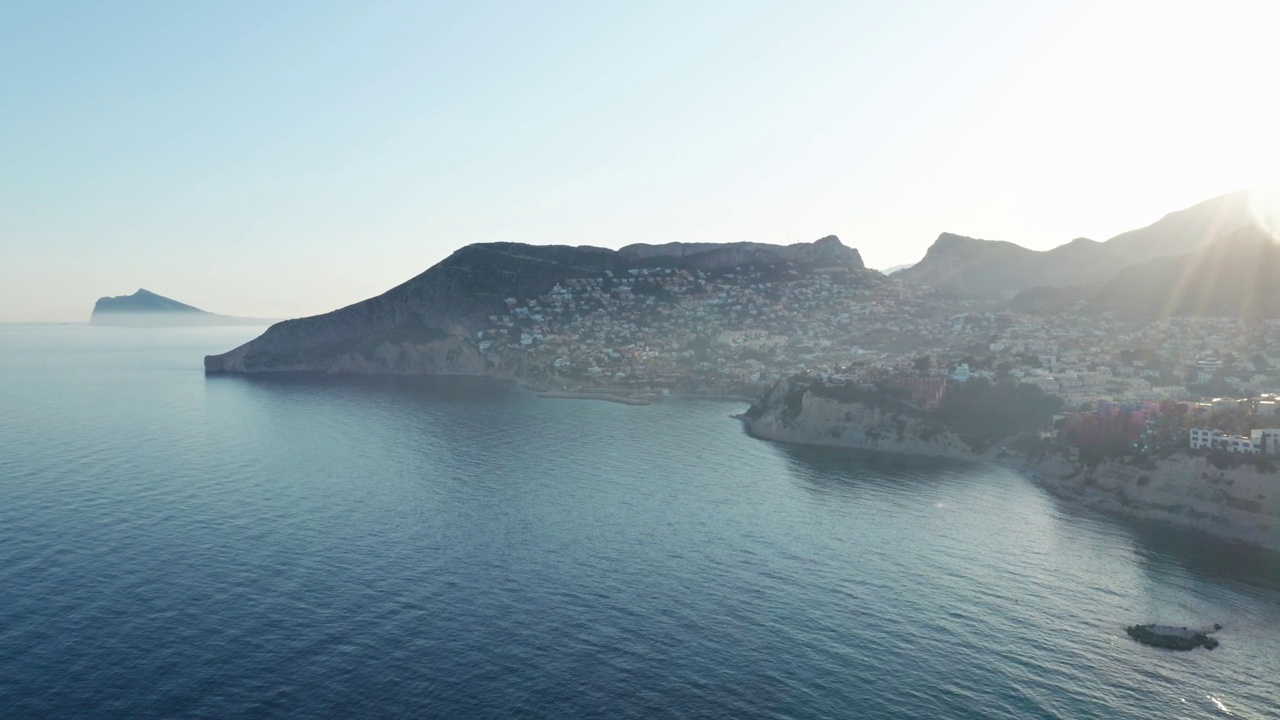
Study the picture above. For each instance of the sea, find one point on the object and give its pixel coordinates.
(180, 546)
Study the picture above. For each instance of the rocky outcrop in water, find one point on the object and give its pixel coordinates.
(1173, 638)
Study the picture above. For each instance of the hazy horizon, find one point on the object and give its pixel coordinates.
(287, 161)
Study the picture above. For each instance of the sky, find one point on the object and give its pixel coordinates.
(284, 159)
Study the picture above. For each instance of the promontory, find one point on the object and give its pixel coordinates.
(564, 316)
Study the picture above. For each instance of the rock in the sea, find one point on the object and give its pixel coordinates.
(1173, 638)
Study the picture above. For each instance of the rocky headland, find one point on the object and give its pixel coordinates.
(793, 411)
(969, 421)
(433, 323)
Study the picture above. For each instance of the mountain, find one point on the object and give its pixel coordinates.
(430, 323)
(999, 270)
(896, 269)
(970, 266)
(145, 308)
(1236, 276)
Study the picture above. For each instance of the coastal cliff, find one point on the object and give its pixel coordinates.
(793, 412)
(1241, 503)
(389, 353)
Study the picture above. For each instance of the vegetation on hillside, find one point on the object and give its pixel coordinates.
(983, 413)
(879, 396)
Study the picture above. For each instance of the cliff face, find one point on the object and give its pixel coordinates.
(428, 324)
(382, 355)
(1240, 504)
(794, 415)
(827, 252)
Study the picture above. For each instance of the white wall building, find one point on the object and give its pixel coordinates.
(1206, 439)
(1267, 440)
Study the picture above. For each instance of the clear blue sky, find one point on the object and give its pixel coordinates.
(288, 158)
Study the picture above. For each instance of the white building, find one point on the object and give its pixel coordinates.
(1205, 439)
(1267, 440)
(1206, 368)
(1243, 445)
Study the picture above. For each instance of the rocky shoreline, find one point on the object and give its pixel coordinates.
(1234, 526)
(607, 397)
(1240, 504)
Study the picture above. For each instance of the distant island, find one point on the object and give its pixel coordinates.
(147, 309)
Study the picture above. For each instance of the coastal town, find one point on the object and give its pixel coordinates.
(1193, 383)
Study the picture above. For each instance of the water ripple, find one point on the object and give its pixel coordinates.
(176, 546)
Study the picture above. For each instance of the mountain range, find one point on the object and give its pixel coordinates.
(1218, 258)
(999, 270)
(1236, 276)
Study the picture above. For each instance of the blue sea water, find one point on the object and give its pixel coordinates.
(173, 545)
